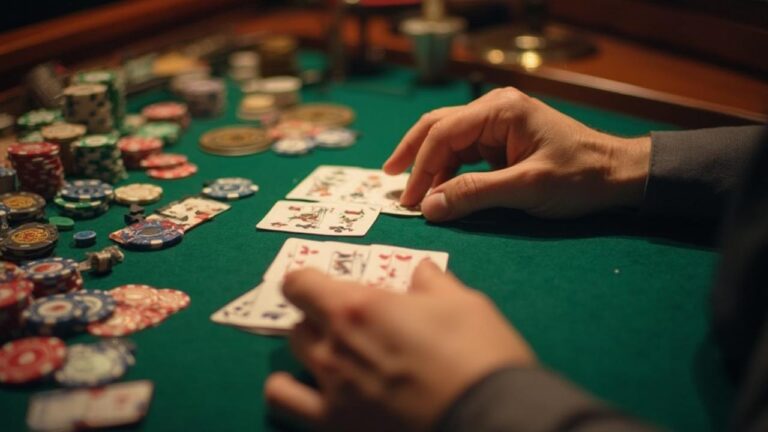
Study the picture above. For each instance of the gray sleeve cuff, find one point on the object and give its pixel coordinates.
(531, 400)
(693, 173)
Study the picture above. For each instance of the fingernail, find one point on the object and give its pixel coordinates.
(435, 207)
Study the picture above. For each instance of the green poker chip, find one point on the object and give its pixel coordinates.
(36, 119)
(61, 223)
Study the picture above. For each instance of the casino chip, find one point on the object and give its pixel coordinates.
(98, 305)
(84, 238)
(323, 114)
(172, 300)
(135, 295)
(177, 172)
(61, 223)
(9, 272)
(164, 160)
(87, 190)
(50, 270)
(55, 314)
(124, 321)
(230, 188)
(30, 359)
(91, 365)
(235, 141)
(151, 234)
(29, 241)
(23, 206)
(293, 146)
(81, 209)
(138, 193)
(335, 138)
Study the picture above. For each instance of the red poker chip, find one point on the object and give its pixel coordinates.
(137, 144)
(33, 149)
(151, 317)
(164, 111)
(14, 292)
(30, 359)
(135, 295)
(164, 160)
(172, 300)
(176, 172)
(124, 321)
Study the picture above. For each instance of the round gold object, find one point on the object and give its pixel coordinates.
(329, 115)
(235, 141)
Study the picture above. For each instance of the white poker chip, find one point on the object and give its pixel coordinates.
(138, 193)
(335, 138)
(293, 146)
(90, 366)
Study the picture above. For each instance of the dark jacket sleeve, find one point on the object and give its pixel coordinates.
(694, 173)
(531, 400)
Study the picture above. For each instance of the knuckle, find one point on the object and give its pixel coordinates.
(430, 116)
(466, 187)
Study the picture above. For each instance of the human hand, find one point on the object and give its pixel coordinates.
(390, 361)
(544, 162)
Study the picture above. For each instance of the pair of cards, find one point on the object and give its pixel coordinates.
(109, 406)
(187, 213)
(264, 310)
(329, 183)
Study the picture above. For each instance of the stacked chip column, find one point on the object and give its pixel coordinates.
(115, 83)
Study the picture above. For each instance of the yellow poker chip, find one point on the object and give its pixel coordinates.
(22, 202)
(138, 193)
(31, 236)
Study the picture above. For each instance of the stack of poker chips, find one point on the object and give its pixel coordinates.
(173, 112)
(36, 119)
(286, 90)
(23, 206)
(134, 149)
(244, 65)
(132, 123)
(115, 83)
(259, 107)
(84, 199)
(139, 307)
(278, 55)
(52, 276)
(204, 97)
(98, 156)
(38, 167)
(64, 134)
(15, 296)
(168, 166)
(89, 105)
(29, 241)
(67, 314)
(167, 132)
(7, 180)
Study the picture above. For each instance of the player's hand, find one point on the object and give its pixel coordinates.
(388, 361)
(544, 162)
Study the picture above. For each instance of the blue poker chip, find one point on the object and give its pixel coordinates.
(84, 238)
(91, 365)
(87, 190)
(230, 188)
(151, 234)
(336, 138)
(54, 314)
(50, 271)
(98, 305)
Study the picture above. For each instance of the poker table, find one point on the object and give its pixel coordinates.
(612, 302)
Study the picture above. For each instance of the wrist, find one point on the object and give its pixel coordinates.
(629, 165)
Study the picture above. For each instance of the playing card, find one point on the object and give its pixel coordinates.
(190, 212)
(241, 307)
(298, 253)
(347, 261)
(57, 410)
(270, 313)
(118, 404)
(355, 185)
(109, 406)
(392, 267)
(337, 219)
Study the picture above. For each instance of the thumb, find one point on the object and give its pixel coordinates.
(429, 278)
(469, 193)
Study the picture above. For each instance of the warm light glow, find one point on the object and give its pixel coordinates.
(495, 56)
(530, 60)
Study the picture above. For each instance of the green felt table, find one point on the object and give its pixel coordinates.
(614, 307)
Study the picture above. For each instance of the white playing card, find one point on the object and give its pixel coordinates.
(271, 312)
(296, 254)
(191, 211)
(355, 185)
(392, 267)
(241, 307)
(118, 404)
(337, 219)
(58, 410)
(347, 261)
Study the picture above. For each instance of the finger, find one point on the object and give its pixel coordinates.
(428, 278)
(447, 173)
(470, 192)
(405, 152)
(284, 392)
(306, 342)
(314, 292)
(446, 137)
